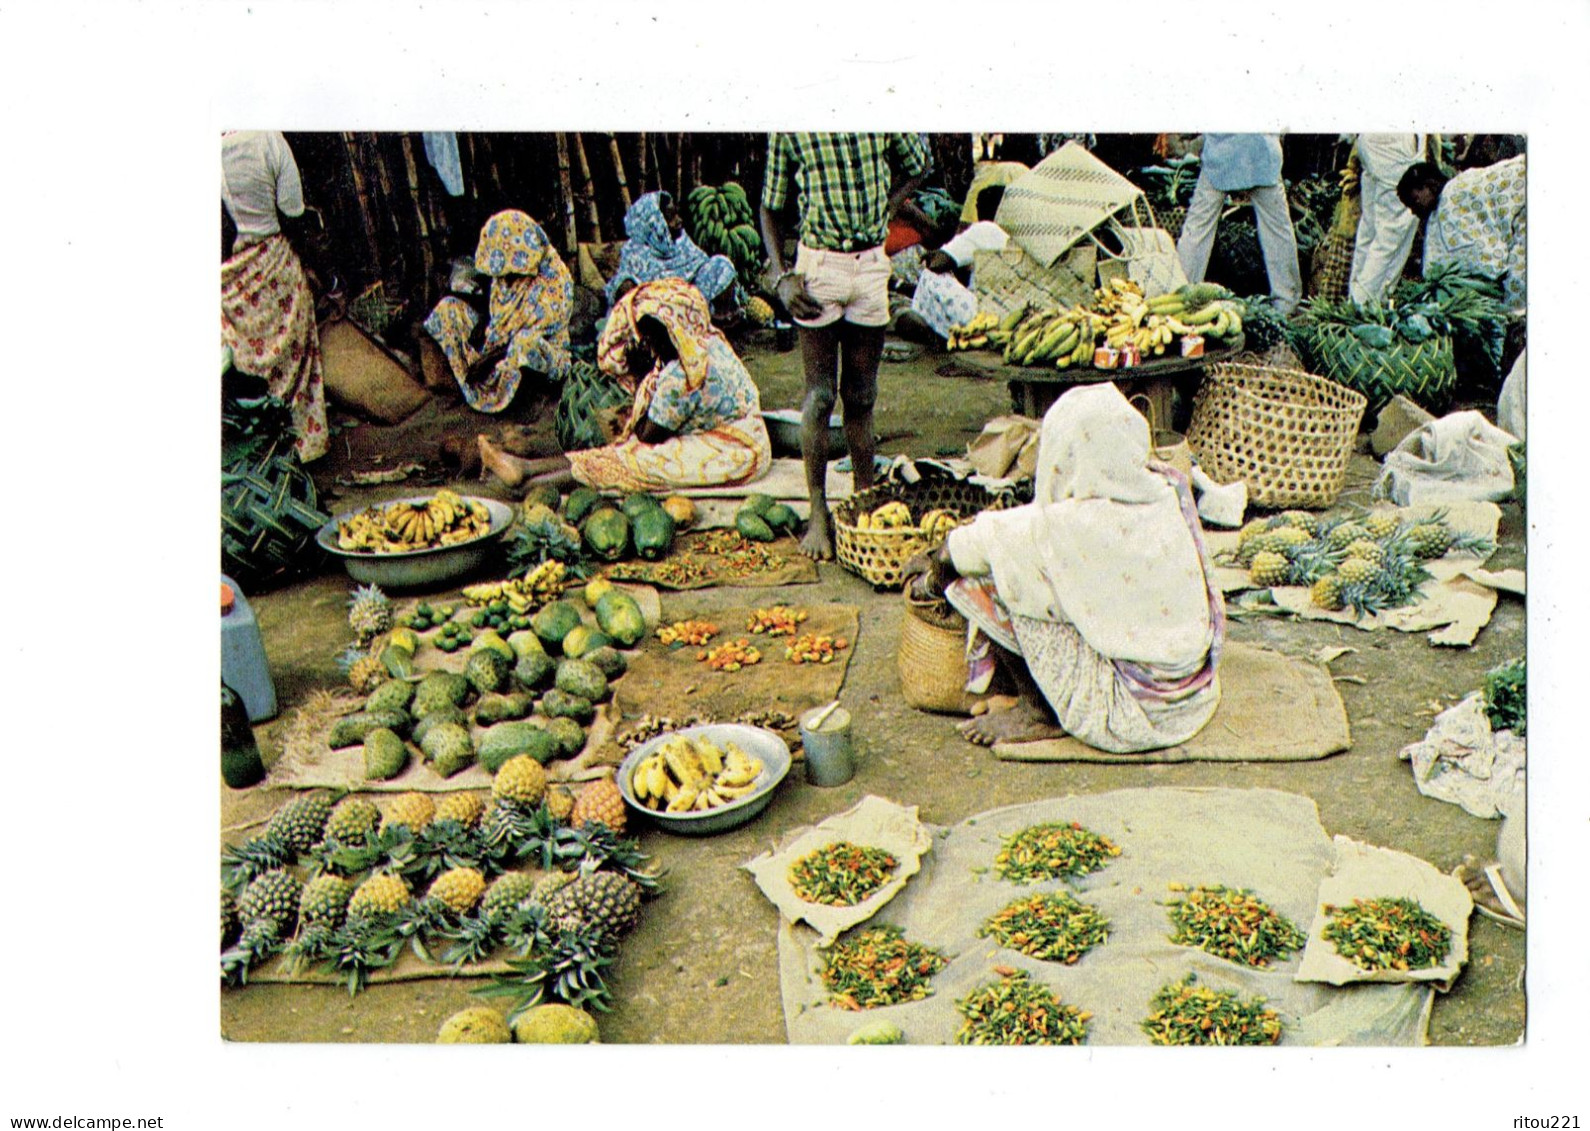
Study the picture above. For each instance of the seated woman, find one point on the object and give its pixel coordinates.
(1097, 600)
(696, 420)
(658, 248)
(621, 351)
(522, 327)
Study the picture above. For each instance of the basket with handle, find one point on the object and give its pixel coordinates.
(879, 556)
(932, 657)
(1286, 433)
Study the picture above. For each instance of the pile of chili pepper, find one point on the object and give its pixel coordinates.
(1043, 852)
(711, 555)
(814, 649)
(1387, 934)
(780, 620)
(1185, 1013)
(1053, 926)
(682, 632)
(879, 967)
(730, 656)
(1233, 923)
(1018, 1011)
(841, 874)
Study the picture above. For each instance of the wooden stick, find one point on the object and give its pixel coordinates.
(571, 235)
(618, 170)
(361, 191)
(641, 165)
(679, 166)
(411, 167)
(590, 189)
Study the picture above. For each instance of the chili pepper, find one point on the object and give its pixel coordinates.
(1185, 1013)
(1043, 852)
(1018, 1011)
(841, 874)
(1052, 926)
(683, 632)
(1234, 924)
(780, 620)
(1387, 934)
(879, 967)
(731, 656)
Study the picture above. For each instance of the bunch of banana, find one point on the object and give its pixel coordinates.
(1199, 308)
(890, 516)
(722, 222)
(974, 334)
(1061, 338)
(522, 594)
(445, 519)
(689, 775)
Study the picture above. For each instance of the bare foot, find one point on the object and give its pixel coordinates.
(498, 464)
(1489, 891)
(993, 703)
(818, 543)
(1022, 723)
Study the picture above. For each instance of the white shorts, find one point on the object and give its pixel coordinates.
(853, 285)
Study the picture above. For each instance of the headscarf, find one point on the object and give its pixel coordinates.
(530, 286)
(652, 252)
(681, 309)
(511, 243)
(1104, 545)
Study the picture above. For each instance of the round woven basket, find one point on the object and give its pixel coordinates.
(1287, 434)
(879, 556)
(1424, 372)
(933, 658)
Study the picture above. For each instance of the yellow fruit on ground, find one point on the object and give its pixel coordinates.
(413, 810)
(520, 781)
(681, 510)
(477, 1026)
(600, 801)
(459, 888)
(465, 808)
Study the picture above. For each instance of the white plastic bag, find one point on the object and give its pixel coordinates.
(1460, 456)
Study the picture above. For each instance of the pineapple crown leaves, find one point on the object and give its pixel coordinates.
(349, 656)
(259, 941)
(363, 945)
(312, 944)
(474, 938)
(537, 542)
(243, 863)
(602, 847)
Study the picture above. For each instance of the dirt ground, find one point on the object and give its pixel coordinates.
(701, 968)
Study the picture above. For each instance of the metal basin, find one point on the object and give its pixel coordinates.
(419, 568)
(755, 741)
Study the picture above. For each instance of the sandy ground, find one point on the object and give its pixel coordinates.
(701, 968)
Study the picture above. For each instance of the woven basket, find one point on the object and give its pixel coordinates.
(1424, 372)
(1010, 280)
(879, 556)
(933, 658)
(1285, 433)
(587, 392)
(269, 517)
(1172, 219)
(1332, 266)
(1065, 196)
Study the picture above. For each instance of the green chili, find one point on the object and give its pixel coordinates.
(1387, 934)
(1053, 926)
(1234, 924)
(879, 967)
(841, 874)
(1018, 1011)
(1044, 852)
(1185, 1013)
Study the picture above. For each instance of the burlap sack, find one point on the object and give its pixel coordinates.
(360, 375)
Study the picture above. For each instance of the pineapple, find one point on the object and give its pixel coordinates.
(1252, 530)
(1269, 568)
(267, 907)
(325, 900)
(411, 810)
(465, 808)
(1367, 551)
(229, 925)
(1357, 571)
(1302, 520)
(1345, 534)
(1289, 540)
(1382, 524)
(605, 901)
(1430, 539)
(520, 782)
(353, 821)
(759, 311)
(1326, 593)
(301, 823)
(369, 613)
(366, 673)
(506, 893)
(600, 801)
(381, 894)
(459, 889)
(560, 802)
(549, 885)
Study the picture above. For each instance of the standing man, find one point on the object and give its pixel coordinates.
(1248, 163)
(1385, 228)
(838, 289)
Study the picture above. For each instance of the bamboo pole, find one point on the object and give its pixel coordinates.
(427, 252)
(571, 235)
(362, 194)
(679, 166)
(590, 189)
(618, 170)
(641, 165)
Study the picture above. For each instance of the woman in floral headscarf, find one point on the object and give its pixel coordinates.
(697, 416)
(525, 329)
(658, 248)
(1097, 598)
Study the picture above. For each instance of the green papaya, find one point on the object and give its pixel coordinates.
(758, 504)
(555, 621)
(558, 704)
(494, 708)
(620, 617)
(586, 680)
(350, 730)
(393, 695)
(542, 494)
(781, 518)
(638, 504)
(606, 533)
(581, 502)
(753, 527)
(582, 641)
(447, 714)
(534, 670)
(568, 734)
(384, 754)
(609, 661)
(509, 740)
(653, 532)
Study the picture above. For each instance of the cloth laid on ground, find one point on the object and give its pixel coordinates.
(1363, 871)
(1460, 456)
(1462, 760)
(707, 558)
(785, 481)
(1273, 708)
(308, 762)
(1510, 414)
(872, 823)
(667, 681)
(361, 375)
(1265, 840)
(1452, 607)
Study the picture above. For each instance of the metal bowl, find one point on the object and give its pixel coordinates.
(755, 741)
(784, 432)
(418, 567)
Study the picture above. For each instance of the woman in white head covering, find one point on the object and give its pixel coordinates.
(1097, 598)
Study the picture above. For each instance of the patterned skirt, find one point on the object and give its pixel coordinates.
(727, 456)
(535, 348)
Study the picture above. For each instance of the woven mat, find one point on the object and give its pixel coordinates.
(784, 481)
(786, 566)
(1272, 709)
(667, 681)
(1265, 840)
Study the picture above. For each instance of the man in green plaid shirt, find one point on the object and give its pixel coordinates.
(847, 185)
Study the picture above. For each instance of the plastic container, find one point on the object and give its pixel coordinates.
(241, 765)
(829, 758)
(243, 664)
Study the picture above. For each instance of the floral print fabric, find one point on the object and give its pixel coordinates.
(1479, 224)
(652, 253)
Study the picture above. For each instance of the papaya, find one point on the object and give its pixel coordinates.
(555, 621)
(620, 618)
(583, 640)
(606, 533)
(758, 504)
(542, 494)
(781, 519)
(596, 589)
(753, 527)
(638, 504)
(509, 740)
(581, 502)
(653, 531)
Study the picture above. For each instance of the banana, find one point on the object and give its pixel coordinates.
(729, 792)
(711, 758)
(685, 799)
(640, 781)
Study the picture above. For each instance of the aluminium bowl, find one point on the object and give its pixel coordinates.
(417, 568)
(755, 741)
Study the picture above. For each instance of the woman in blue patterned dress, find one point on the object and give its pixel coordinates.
(658, 248)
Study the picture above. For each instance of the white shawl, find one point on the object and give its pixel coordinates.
(1104, 545)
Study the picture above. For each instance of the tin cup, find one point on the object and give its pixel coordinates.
(784, 336)
(829, 757)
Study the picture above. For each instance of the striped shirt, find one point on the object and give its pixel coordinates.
(842, 181)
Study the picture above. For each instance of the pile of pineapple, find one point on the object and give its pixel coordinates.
(1366, 563)
(348, 886)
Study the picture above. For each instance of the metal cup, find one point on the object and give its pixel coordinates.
(830, 759)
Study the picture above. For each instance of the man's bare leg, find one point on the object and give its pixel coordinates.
(820, 357)
(861, 349)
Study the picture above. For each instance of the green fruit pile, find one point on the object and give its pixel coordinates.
(722, 222)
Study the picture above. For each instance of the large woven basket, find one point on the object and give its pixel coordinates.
(1287, 434)
(933, 658)
(879, 556)
(1053, 207)
(269, 516)
(1424, 372)
(586, 394)
(1332, 266)
(1009, 280)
